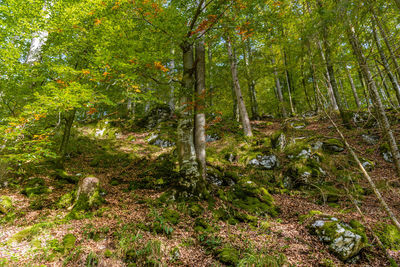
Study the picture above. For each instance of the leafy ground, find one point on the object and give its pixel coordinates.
(141, 223)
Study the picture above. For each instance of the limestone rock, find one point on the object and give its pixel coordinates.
(267, 162)
(88, 194)
(343, 240)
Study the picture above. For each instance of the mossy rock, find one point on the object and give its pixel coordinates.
(171, 216)
(35, 186)
(344, 240)
(229, 256)
(249, 196)
(389, 235)
(333, 145)
(66, 200)
(38, 202)
(29, 232)
(108, 253)
(88, 195)
(6, 204)
(68, 242)
(64, 177)
(202, 226)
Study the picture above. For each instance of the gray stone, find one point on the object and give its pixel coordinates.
(387, 156)
(370, 139)
(212, 138)
(267, 162)
(341, 238)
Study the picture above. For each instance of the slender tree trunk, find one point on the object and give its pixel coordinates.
(235, 107)
(210, 74)
(242, 107)
(392, 77)
(250, 82)
(288, 84)
(329, 87)
(190, 182)
(69, 118)
(200, 117)
(279, 91)
(343, 94)
(385, 93)
(381, 114)
(353, 88)
(363, 87)
(171, 101)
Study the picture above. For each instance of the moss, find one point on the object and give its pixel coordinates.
(86, 202)
(66, 200)
(171, 216)
(63, 176)
(309, 215)
(35, 186)
(265, 226)
(389, 235)
(384, 148)
(38, 202)
(108, 253)
(195, 210)
(29, 232)
(201, 226)
(359, 229)
(6, 204)
(68, 242)
(228, 255)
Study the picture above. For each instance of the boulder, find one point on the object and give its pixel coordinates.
(370, 139)
(332, 145)
(344, 240)
(386, 153)
(88, 195)
(266, 162)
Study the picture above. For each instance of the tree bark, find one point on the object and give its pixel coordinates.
(279, 91)
(244, 117)
(200, 105)
(190, 181)
(69, 118)
(288, 84)
(353, 88)
(376, 100)
(386, 40)
(392, 77)
(251, 82)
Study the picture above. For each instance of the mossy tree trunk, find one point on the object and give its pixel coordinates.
(353, 88)
(190, 181)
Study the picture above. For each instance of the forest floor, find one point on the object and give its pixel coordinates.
(129, 218)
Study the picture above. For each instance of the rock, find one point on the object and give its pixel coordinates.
(363, 119)
(333, 145)
(266, 162)
(5, 204)
(88, 195)
(298, 125)
(343, 240)
(386, 153)
(154, 139)
(278, 141)
(212, 138)
(368, 166)
(158, 114)
(63, 176)
(370, 139)
(317, 145)
(232, 157)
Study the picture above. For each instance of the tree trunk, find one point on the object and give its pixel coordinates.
(210, 74)
(392, 77)
(386, 40)
(329, 87)
(235, 107)
(190, 181)
(353, 88)
(250, 82)
(69, 118)
(171, 101)
(381, 114)
(200, 117)
(242, 107)
(384, 92)
(343, 94)
(279, 91)
(288, 84)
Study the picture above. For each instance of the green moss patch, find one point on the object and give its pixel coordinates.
(6, 204)
(389, 235)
